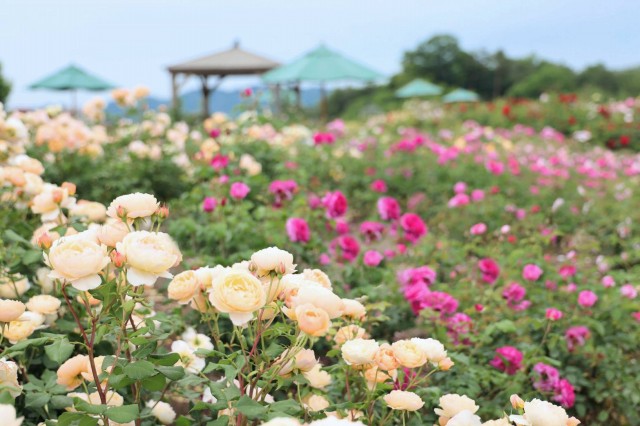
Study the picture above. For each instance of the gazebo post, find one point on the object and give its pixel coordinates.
(205, 95)
(174, 92)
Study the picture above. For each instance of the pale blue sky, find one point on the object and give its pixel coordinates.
(130, 42)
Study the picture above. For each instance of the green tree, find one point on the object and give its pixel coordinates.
(5, 87)
(548, 77)
(600, 78)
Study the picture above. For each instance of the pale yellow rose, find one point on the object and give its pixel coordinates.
(149, 256)
(77, 260)
(9, 416)
(408, 354)
(183, 287)
(403, 400)
(19, 330)
(543, 413)
(238, 293)
(11, 310)
(44, 304)
(359, 352)
(135, 206)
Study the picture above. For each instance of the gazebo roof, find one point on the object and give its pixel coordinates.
(234, 61)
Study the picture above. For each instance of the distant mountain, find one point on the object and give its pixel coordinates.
(220, 100)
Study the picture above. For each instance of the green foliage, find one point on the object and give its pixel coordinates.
(5, 87)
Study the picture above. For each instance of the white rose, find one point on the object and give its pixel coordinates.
(273, 259)
(162, 411)
(452, 404)
(77, 260)
(433, 349)
(112, 232)
(135, 205)
(13, 289)
(149, 256)
(95, 212)
(359, 351)
(465, 418)
(8, 415)
(543, 413)
(282, 421)
(317, 378)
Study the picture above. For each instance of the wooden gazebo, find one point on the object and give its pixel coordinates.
(234, 61)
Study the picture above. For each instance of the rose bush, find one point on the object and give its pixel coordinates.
(411, 268)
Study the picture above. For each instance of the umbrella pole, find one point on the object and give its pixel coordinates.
(74, 102)
(324, 107)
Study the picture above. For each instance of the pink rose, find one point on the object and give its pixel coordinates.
(478, 229)
(531, 272)
(209, 204)
(587, 298)
(373, 258)
(239, 190)
(298, 230)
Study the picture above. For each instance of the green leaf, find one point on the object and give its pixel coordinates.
(139, 370)
(221, 421)
(289, 406)
(167, 360)
(59, 350)
(79, 419)
(25, 344)
(171, 373)
(123, 414)
(154, 383)
(36, 399)
(250, 408)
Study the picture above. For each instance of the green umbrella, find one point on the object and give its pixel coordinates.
(418, 88)
(461, 95)
(321, 65)
(72, 78)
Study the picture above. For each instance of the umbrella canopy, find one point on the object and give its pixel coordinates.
(71, 78)
(417, 88)
(321, 65)
(461, 95)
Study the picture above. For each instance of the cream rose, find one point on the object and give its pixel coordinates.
(78, 261)
(44, 304)
(321, 298)
(353, 309)
(385, 358)
(237, 293)
(114, 399)
(183, 287)
(112, 232)
(134, 205)
(408, 354)
(452, 404)
(282, 421)
(312, 320)
(317, 276)
(9, 377)
(359, 351)
(149, 256)
(95, 212)
(272, 259)
(317, 378)
(403, 400)
(349, 332)
(12, 289)
(433, 349)
(10, 310)
(315, 402)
